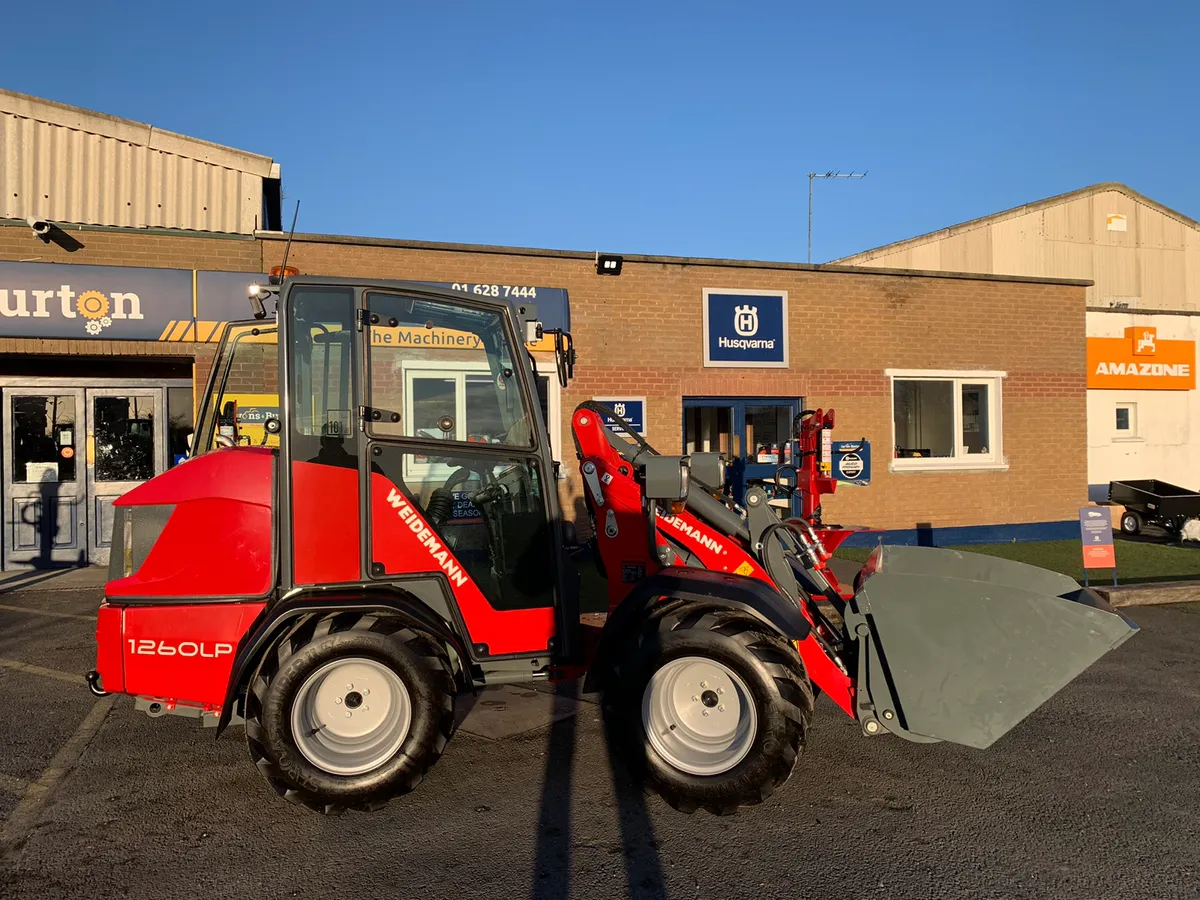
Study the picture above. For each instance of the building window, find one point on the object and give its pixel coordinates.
(1126, 420)
(946, 420)
(179, 424)
(464, 393)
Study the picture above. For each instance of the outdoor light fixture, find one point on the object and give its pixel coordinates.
(48, 232)
(608, 264)
(41, 228)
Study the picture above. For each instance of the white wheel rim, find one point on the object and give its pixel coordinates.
(699, 715)
(351, 716)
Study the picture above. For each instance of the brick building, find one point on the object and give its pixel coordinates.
(970, 389)
(1143, 307)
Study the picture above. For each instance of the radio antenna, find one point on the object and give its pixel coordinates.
(288, 248)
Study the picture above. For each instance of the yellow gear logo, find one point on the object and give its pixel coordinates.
(92, 305)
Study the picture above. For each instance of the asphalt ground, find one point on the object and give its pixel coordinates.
(1096, 795)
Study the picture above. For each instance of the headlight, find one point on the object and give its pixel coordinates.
(135, 530)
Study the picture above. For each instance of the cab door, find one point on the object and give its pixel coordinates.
(460, 484)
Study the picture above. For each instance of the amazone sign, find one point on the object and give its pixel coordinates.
(1141, 361)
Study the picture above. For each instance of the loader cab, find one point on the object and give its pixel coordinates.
(412, 454)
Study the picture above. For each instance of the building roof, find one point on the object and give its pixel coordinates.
(73, 165)
(397, 243)
(1020, 211)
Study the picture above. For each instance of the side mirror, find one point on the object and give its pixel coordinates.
(564, 356)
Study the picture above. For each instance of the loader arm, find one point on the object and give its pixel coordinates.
(707, 531)
(932, 645)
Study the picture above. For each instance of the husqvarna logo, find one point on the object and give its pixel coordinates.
(745, 320)
(97, 310)
(745, 328)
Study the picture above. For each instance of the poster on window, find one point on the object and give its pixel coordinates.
(41, 472)
(464, 511)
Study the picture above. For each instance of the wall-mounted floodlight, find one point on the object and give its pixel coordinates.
(608, 264)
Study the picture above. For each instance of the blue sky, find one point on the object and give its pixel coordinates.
(675, 128)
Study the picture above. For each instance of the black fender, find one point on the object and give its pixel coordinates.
(277, 618)
(721, 589)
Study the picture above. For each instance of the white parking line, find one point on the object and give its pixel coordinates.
(12, 785)
(45, 612)
(30, 669)
(24, 817)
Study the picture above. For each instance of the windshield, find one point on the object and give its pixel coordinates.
(243, 390)
(441, 371)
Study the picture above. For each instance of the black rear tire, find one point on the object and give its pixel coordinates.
(768, 665)
(1131, 522)
(416, 659)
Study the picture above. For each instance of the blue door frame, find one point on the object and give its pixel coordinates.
(743, 467)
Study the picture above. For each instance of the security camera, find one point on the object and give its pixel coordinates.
(40, 227)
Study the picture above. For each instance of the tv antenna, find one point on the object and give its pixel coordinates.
(829, 174)
(288, 247)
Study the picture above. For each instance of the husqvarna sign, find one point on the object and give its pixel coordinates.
(745, 329)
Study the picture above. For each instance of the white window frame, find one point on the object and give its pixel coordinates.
(458, 371)
(994, 460)
(1130, 434)
(411, 370)
(546, 365)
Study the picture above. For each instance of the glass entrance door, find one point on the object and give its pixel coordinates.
(44, 510)
(754, 433)
(126, 444)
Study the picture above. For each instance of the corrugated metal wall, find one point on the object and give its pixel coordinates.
(123, 174)
(1153, 264)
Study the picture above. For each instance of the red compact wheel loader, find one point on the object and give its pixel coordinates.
(379, 531)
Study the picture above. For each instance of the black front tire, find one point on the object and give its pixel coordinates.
(768, 665)
(1131, 522)
(420, 662)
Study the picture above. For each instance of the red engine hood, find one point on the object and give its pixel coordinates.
(215, 529)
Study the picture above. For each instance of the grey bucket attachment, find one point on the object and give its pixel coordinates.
(961, 647)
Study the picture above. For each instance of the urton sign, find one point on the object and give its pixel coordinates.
(53, 300)
(1141, 361)
(66, 301)
(745, 329)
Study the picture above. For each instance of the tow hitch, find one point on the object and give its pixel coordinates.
(93, 683)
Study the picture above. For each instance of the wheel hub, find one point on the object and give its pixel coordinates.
(699, 715)
(350, 716)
